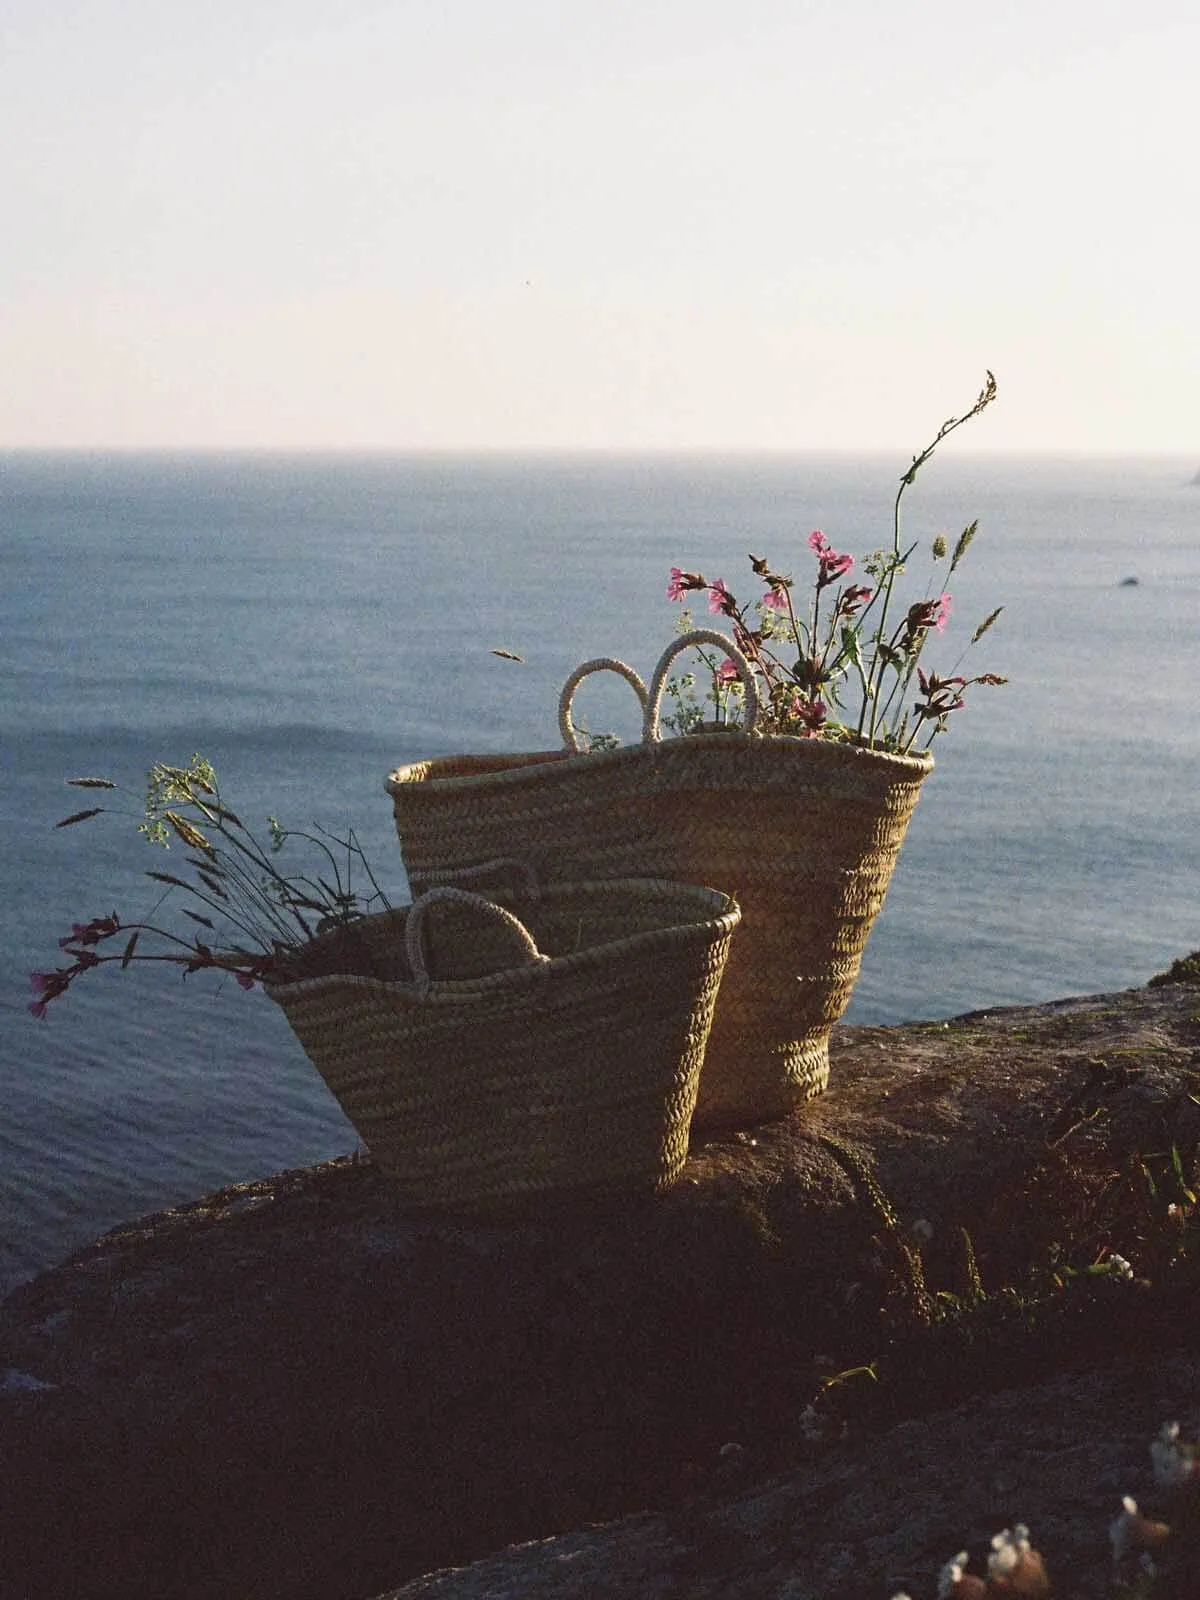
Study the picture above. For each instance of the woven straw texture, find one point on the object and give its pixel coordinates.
(804, 833)
(494, 1063)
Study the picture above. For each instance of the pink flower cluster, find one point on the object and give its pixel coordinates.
(682, 581)
(832, 565)
(720, 601)
(90, 933)
(83, 937)
(834, 650)
(811, 712)
(46, 986)
(940, 696)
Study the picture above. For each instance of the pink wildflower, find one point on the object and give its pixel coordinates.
(854, 597)
(92, 932)
(682, 581)
(726, 672)
(922, 615)
(46, 986)
(720, 601)
(835, 566)
(941, 696)
(811, 712)
(932, 683)
(775, 599)
(832, 565)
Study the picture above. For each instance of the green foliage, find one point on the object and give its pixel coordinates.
(252, 914)
(1184, 971)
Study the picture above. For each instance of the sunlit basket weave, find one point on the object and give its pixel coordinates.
(803, 832)
(494, 1052)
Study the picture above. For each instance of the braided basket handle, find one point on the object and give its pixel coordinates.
(525, 949)
(651, 726)
(566, 699)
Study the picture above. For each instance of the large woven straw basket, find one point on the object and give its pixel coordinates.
(803, 832)
(494, 1053)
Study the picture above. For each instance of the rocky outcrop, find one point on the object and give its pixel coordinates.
(874, 1517)
(291, 1389)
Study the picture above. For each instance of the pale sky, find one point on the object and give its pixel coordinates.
(581, 224)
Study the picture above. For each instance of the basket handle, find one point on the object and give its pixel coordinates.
(652, 727)
(566, 699)
(487, 910)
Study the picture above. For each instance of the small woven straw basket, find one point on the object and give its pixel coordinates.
(492, 1052)
(803, 832)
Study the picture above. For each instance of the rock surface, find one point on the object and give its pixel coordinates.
(873, 1517)
(290, 1389)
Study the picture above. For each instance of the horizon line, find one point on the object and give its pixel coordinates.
(527, 452)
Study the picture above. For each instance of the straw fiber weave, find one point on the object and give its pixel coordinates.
(804, 833)
(491, 1062)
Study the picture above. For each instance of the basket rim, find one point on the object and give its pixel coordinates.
(721, 917)
(515, 768)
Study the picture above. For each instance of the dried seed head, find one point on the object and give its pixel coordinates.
(964, 539)
(985, 625)
(79, 816)
(190, 835)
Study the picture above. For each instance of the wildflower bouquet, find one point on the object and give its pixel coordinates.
(242, 915)
(846, 663)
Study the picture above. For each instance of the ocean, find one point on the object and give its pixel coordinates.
(310, 622)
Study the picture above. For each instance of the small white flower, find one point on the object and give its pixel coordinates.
(1119, 1266)
(1174, 1463)
(1008, 1548)
(951, 1574)
(1133, 1532)
(1121, 1532)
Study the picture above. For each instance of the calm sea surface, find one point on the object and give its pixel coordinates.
(308, 623)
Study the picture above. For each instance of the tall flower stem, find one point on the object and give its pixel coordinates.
(870, 705)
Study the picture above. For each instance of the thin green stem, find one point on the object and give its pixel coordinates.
(986, 395)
